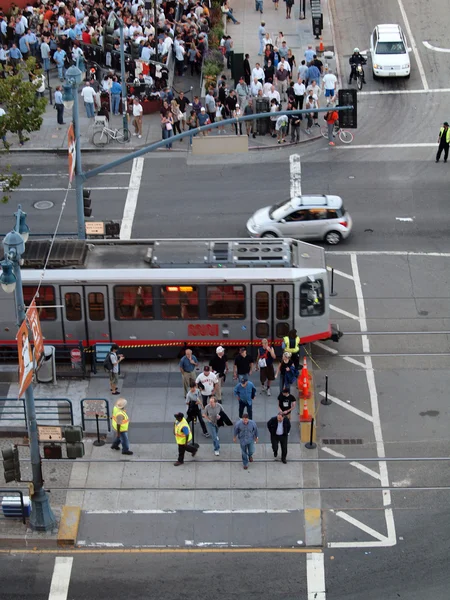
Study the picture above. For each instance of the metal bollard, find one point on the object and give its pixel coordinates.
(98, 441)
(311, 445)
(332, 292)
(326, 401)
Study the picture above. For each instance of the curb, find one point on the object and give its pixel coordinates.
(68, 526)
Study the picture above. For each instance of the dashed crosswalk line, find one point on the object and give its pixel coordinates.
(59, 588)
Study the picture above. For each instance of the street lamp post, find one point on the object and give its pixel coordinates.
(114, 17)
(73, 79)
(41, 518)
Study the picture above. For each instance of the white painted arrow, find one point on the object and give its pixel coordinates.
(435, 48)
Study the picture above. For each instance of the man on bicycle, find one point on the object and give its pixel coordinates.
(356, 59)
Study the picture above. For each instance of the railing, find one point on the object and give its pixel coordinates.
(64, 363)
(12, 507)
(57, 411)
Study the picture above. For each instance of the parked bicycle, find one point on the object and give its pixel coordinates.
(345, 136)
(101, 138)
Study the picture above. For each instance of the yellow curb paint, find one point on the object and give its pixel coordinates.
(68, 527)
(164, 551)
(312, 516)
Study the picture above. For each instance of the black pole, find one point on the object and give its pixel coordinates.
(311, 445)
(49, 88)
(326, 401)
(302, 10)
(98, 441)
(332, 293)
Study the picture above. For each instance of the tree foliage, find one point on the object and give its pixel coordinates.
(24, 110)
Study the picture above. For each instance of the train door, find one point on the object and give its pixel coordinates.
(85, 313)
(272, 311)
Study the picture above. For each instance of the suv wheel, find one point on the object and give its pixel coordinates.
(269, 234)
(333, 237)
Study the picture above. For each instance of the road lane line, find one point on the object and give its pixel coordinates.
(354, 361)
(435, 48)
(354, 463)
(344, 312)
(340, 273)
(349, 407)
(325, 347)
(370, 375)
(400, 92)
(295, 168)
(414, 45)
(62, 570)
(360, 525)
(315, 576)
(132, 198)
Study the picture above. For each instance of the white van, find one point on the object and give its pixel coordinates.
(389, 52)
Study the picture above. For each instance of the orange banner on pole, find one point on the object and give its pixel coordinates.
(71, 141)
(26, 366)
(35, 326)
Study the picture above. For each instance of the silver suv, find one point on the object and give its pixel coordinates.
(305, 218)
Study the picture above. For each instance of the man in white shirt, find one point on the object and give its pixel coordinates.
(207, 384)
(167, 44)
(137, 117)
(258, 73)
(286, 65)
(274, 94)
(299, 93)
(255, 87)
(329, 83)
(88, 95)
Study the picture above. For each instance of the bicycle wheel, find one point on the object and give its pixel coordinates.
(123, 135)
(345, 136)
(100, 138)
(324, 131)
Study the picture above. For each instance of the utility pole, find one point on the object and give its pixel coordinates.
(41, 518)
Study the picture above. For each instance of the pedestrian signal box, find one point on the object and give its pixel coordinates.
(348, 118)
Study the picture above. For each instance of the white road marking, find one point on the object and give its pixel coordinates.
(62, 570)
(370, 375)
(325, 347)
(133, 512)
(62, 189)
(64, 175)
(295, 168)
(341, 273)
(377, 146)
(413, 45)
(101, 544)
(435, 48)
(354, 361)
(344, 312)
(315, 576)
(405, 219)
(132, 198)
(360, 525)
(349, 407)
(354, 463)
(250, 511)
(404, 92)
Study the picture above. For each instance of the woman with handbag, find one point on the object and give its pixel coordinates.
(266, 356)
(287, 371)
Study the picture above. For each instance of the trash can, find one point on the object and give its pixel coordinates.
(262, 125)
(47, 371)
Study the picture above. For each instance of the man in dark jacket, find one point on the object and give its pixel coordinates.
(279, 428)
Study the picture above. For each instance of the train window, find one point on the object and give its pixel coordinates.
(226, 301)
(45, 302)
(179, 302)
(262, 306)
(72, 302)
(133, 302)
(282, 305)
(96, 306)
(312, 299)
(282, 329)
(262, 330)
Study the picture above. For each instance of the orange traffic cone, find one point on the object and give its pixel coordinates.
(305, 390)
(305, 417)
(321, 46)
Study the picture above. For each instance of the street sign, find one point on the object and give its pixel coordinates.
(35, 325)
(72, 144)
(26, 366)
(75, 358)
(95, 228)
(95, 407)
(50, 433)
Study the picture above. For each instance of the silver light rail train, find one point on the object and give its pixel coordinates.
(156, 297)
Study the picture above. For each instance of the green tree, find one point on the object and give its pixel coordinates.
(23, 113)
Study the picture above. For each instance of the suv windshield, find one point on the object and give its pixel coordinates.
(390, 48)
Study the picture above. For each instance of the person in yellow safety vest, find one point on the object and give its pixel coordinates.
(443, 141)
(183, 437)
(291, 343)
(120, 422)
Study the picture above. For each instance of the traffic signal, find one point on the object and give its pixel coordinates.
(52, 451)
(87, 203)
(348, 118)
(108, 38)
(73, 433)
(11, 464)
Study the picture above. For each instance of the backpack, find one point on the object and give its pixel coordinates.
(107, 363)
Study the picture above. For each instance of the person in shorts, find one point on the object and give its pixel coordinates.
(266, 356)
(114, 373)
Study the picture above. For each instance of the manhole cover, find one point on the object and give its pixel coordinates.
(43, 205)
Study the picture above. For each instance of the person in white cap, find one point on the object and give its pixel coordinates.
(219, 364)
